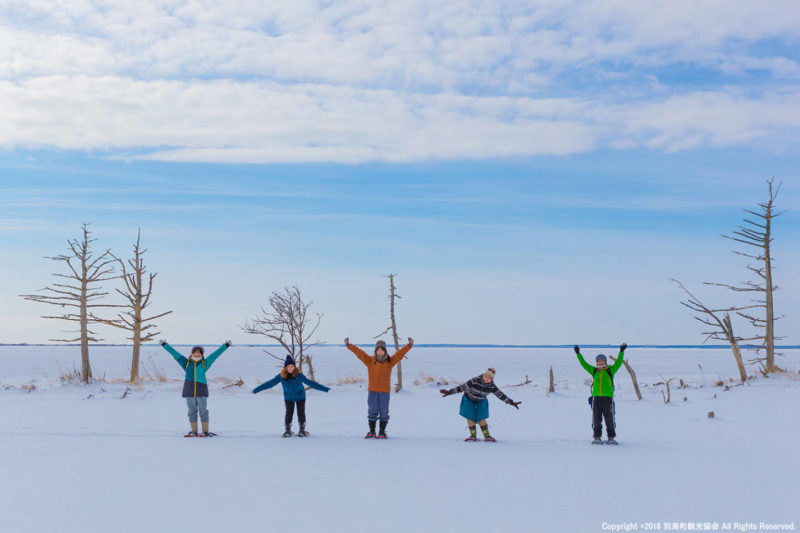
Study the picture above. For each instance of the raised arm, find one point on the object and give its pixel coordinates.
(268, 384)
(618, 362)
(313, 384)
(216, 353)
(586, 366)
(399, 354)
(361, 354)
(174, 353)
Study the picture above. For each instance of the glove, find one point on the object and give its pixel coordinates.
(623, 346)
(445, 392)
(347, 341)
(410, 341)
(516, 404)
(228, 343)
(162, 342)
(577, 349)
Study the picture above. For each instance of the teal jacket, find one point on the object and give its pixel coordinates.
(602, 384)
(293, 385)
(195, 383)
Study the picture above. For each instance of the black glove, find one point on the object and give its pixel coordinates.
(228, 343)
(623, 346)
(162, 342)
(445, 392)
(516, 404)
(577, 349)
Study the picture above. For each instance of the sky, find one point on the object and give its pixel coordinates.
(533, 172)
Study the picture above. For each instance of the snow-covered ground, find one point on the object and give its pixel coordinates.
(81, 458)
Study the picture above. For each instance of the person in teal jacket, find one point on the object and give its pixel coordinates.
(294, 394)
(602, 400)
(195, 385)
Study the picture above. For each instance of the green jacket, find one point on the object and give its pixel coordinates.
(602, 385)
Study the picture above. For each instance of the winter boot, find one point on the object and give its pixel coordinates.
(371, 432)
(486, 436)
(612, 440)
(288, 432)
(206, 432)
(302, 432)
(382, 433)
(193, 432)
(597, 440)
(473, 435)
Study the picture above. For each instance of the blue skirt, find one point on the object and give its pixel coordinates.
(474, 411)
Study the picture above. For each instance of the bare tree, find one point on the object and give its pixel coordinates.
(758, 234)
(633, 375)
(81, 293)
(721, 327)
(393, 296)
(137, 293)
(286, 320)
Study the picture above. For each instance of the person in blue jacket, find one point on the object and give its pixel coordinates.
(195, 385)
(294, 393)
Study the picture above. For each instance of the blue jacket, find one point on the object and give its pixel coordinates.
(293, 389)
(195, 383)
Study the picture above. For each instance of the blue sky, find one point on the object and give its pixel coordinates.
(534, 172)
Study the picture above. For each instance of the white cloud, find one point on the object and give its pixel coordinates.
(245, 81)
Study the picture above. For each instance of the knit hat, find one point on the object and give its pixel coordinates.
(289, 361)
(381, 344)
(601, 357)
(490, 371)
(198, 349)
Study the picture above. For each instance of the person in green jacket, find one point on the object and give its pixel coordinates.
(602, 400)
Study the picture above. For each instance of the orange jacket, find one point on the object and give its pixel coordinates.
(379, 373)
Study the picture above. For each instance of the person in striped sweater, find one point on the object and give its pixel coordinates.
(475, 405)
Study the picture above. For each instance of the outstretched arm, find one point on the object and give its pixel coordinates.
(398, 356)
(313, 384)
(361, 354)
(268, 384)
(216, 353)
(174, 353)
(497, 392)
(618, 362)
(586, 366)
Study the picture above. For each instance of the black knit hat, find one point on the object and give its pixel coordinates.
(198, 349)
(289, 361)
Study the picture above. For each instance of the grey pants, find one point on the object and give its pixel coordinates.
(378, 406)
(197, 404)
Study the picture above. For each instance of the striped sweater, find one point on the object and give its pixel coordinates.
(476, 390)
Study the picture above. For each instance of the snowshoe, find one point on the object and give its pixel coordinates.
(303, 433)
(489, 439)
(191, 434)
(382, 435)
(597, 441)
(208, 434)
(370, 435)
(612, 441)
(471, 439)
(287, 433)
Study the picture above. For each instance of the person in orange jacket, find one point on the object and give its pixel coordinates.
(379, 370)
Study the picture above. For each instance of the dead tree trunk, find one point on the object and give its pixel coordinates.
(81, 293)
(393, 296)
(138, 299)
(286, 320)
(758, 234)
(552, 387)
(722, 328)
(629, 368)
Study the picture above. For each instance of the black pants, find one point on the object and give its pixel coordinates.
(301, 412)
(603, 407)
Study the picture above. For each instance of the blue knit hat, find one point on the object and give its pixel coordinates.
(601, 357)
(289, 361)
